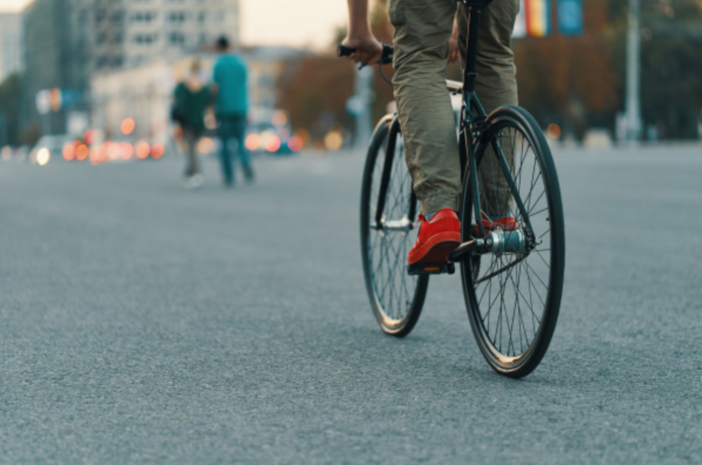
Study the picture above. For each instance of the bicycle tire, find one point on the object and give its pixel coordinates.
(515, 274)
(396, 298)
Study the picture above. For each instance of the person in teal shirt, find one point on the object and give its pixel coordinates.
(231, 108)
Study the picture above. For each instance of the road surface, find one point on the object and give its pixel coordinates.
(143, 323)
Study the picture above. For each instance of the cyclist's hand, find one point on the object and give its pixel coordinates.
(368, 50)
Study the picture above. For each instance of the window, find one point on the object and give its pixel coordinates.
(176, 38)
(177, 16)
(143, 16)
(145, 39)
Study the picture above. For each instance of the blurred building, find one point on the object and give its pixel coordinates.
(10, 44)
(49, 62)
(128, 33)
(144, 92)
(67, 42)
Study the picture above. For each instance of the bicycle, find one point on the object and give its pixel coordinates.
(512, 276)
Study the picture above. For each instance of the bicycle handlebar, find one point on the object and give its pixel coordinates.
(386, 58)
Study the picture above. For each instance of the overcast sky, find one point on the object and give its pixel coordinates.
(275, 22)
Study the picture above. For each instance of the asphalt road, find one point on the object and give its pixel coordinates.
(142, 323)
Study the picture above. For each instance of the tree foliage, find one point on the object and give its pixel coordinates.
(314, 91)
(580, 82)
(671, 66)
(577, 82)
(571, 81)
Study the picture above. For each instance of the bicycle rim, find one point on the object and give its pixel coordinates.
(395, 297)
(513, 299)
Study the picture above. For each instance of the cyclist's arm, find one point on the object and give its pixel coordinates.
(360, 37)
(453, 42)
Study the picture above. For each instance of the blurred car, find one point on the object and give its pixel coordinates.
(269, 131)
(54, 144)
(47, 148)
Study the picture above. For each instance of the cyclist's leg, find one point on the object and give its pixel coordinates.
(496, 86)
(422, 31)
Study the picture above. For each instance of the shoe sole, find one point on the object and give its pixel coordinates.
(437, 249)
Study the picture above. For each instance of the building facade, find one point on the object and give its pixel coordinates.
(127, 33)
(10, 44)
(68, 42)
(145, 93)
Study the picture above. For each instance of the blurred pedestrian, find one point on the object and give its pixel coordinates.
(231, 108)
(192, 97)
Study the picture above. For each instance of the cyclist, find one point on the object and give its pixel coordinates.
(427, 35)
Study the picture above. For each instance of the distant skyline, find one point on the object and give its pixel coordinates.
(304, 23)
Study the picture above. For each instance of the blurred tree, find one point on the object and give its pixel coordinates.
(579, 82)
(671, 66)
(10, 107)
(314, 91)
(571, 81)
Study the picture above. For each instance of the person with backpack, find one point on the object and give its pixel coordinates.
(192, 97)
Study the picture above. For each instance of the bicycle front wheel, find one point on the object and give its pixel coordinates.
(395, 297)
(513, 292)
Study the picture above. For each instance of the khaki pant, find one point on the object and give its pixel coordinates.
(422, 32)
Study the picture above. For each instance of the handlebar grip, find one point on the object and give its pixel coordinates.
(386, 58)
(344, 51)
(388, 51)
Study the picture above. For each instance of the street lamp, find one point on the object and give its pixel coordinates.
(359, 105)
(633, 74)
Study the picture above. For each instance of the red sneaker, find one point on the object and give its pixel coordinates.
(437, 238)
(506, 223)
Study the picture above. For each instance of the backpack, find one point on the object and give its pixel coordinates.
(179, 109)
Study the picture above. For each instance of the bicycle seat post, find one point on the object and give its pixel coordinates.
(474, 11)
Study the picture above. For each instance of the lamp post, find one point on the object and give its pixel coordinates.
(359, 105)
(633, 74)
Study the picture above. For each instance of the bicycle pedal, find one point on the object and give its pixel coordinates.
(421, 269)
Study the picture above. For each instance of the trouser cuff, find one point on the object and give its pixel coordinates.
(438, 202)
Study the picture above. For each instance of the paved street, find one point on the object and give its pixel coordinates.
(142, 323)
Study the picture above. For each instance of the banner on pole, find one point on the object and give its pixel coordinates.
(570, 17)
(537, 14)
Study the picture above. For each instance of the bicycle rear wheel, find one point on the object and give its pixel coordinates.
(395, 297)
(513, 295)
